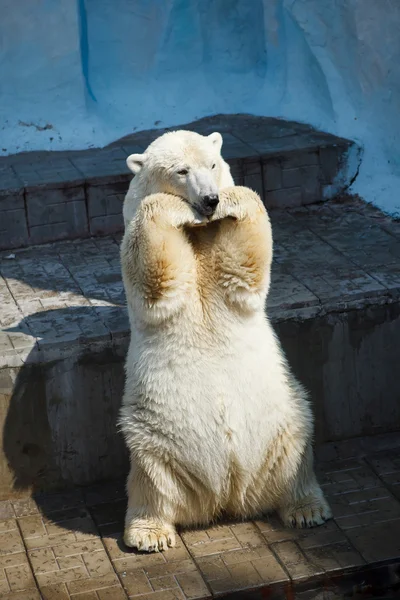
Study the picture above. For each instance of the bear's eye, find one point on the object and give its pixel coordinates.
(183, 172)
(214, 165)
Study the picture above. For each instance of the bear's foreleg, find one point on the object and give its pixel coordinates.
(158, 263)
(243, 248)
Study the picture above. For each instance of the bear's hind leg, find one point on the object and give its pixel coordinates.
(304, 504)
(149, 521)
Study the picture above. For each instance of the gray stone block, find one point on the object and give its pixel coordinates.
(6, 346)
(311, 184)
(285, 198)
(145, 138)
(106, 224)
(65, 220)
(338, 361)
(208, 125)
(272, 174)
(253, 176)
(291, 177)
(236, 167)
(251, 131)
(129, 149)
(105, 207)
(269, 146)
(97, 165)
(13, 229)
(329, 160)
(11, 200)
(300, 158)
(115, 319)
(55, 214)
(10, 183)
(114, 202)
(52, 170)
(234, 148)
(106, 199)
(48, 205)
(308, 178)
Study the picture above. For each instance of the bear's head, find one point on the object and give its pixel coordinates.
(183, 163)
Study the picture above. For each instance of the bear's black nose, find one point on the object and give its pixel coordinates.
(210, 202)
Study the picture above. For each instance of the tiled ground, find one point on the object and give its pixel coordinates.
(58, 296)
(64, 546)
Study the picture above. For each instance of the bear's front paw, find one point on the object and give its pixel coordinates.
(311, 511)
(238, 203)
(150, 539)
(226, 210)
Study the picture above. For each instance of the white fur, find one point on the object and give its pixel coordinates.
(214, 420)
(157, 170)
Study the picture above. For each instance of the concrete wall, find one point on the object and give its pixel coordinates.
(81, 73)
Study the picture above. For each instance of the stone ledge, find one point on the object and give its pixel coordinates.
(334, 302)
(57, 299)
(49, 196)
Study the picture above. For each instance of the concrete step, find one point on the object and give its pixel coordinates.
(69, 546)
(48, 196)
(334, 301)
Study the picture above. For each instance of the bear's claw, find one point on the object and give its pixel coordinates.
(150, 539)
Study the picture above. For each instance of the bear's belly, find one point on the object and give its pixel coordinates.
(214, 409)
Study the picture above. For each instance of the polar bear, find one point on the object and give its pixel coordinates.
(213, 418)
(179, 162)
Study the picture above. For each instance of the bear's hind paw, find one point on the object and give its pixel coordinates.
(308, 512)
(150, 539)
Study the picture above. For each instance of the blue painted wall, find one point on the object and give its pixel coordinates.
(81, 73)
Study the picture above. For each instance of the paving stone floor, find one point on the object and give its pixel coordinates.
(69, 545)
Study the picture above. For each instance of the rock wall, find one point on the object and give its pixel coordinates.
(82, 73)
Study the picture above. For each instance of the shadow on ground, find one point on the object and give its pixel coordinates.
(60, 430)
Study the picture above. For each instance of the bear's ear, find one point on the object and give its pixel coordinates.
(216, 139)
(135, 162)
